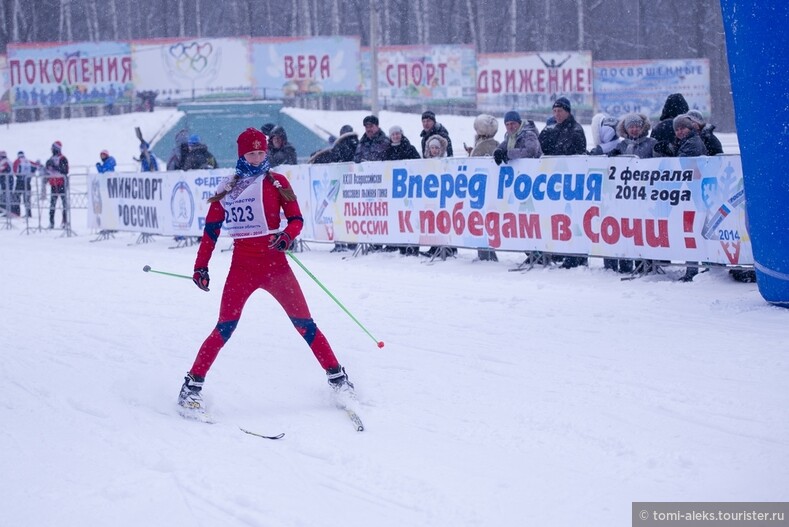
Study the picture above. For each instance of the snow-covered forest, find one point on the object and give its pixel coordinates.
(610, 29)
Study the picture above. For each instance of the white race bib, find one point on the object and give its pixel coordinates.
(244, 213)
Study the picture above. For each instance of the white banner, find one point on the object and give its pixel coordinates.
(532, 81)
(686, 209)
(666, 208)
(171, 203)
(193, 68)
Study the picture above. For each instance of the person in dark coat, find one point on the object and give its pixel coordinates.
(281, 152)
(181, 150)
(342, 151)
(373, 144)
(664, 131)
(57, 175)
(566, 138)
(689, 143)
(400, 147)
(430, 128)
(706, 132)
(198, 156)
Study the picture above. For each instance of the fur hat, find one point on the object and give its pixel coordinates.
(683, 121)
(486, 125)
(563, 102)
(370, 119)
(429, 115)
(394, 129)
(267, 128)
(697, 117)
(251, 140)
(512, 116)
(632, 119)
(346, 128)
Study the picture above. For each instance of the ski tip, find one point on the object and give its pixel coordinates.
(274, 437)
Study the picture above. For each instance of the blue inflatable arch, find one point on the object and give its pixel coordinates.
(757, 48)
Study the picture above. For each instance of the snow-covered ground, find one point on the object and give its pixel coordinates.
(549, 397)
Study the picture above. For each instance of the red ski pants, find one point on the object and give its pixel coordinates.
(271, 272)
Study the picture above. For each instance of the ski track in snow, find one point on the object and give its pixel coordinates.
(546, 397)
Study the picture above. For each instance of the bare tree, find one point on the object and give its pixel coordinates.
(181, 17)
(513, 41)
(335, 17)
(64, 30)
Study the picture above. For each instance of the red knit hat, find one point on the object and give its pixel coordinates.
(250, 140)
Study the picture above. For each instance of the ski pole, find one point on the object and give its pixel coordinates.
(380, 343)
(148, 269)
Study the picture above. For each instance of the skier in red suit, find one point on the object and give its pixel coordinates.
(248, 205)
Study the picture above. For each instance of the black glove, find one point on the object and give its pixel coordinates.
(500, 156)
(614, 153)
(200, 278)
(281, 242)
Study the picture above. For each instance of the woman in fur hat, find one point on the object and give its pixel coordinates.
(248, 204)
(486, 126)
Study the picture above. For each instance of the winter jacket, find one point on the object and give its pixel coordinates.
(527, 144)
(691, 146)
(372, 149)
(108, 165)
(711, 142)
(342, 151)
(285, 154)
(403, 150)
(675, 105)
(640, 146)
(438, 129)
(198, 158)
(603, 134)
(563, 139)
(181, 150)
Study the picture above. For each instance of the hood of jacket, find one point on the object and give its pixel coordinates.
(443, 142)
(620, 126)
(675, 105)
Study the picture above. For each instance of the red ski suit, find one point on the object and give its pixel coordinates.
(256, 266)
